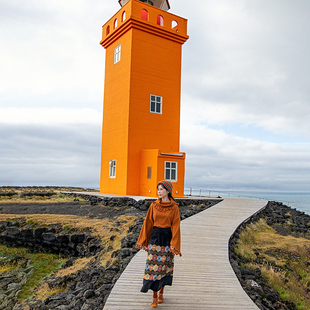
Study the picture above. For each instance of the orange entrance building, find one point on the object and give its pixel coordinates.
(141, 112)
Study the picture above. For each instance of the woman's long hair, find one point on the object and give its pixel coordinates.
(170, 196)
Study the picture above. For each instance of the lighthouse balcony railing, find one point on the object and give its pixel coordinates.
(138, 10)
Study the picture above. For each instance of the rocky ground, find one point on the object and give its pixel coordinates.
(69, 208)
(89, 287)
(93, 207)
(287, 222)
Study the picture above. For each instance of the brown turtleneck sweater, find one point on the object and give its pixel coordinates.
(162, 215)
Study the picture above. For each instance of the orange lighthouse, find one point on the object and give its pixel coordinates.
(141, 111)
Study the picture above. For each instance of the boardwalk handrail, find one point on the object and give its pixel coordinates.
(204, 192)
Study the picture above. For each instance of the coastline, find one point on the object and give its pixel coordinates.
(285, 222)
(297, 200)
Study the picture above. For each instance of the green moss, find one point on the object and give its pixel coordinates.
(283, 293)
(43, 266)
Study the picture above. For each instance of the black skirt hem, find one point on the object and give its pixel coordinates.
(156, 285)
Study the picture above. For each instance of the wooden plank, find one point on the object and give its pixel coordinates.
(203, 276)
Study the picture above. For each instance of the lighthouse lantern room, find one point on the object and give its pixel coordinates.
(161, 4)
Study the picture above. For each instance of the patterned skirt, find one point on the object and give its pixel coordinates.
(159, 264)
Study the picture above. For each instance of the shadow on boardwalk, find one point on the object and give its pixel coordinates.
(203, 276)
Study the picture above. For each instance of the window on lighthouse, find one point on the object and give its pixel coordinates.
(117, 54)
(171, 168)
(160, 20)
(112, 168)
(156, 104)
(144, 14)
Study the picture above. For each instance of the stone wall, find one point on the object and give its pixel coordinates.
(142, 204)
(50, 239)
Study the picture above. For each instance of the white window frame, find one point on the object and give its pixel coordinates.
(156, 104)
(170, 169)
(117, 54)
(112, 169)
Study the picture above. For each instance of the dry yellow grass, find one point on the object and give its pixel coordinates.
(259, 237)
(36, 199)
(78, 264)
(284, 261)
(7, 267)
(97, 227)
(58, 197)
(43, 291)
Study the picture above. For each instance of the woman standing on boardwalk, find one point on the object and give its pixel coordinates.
(160, 236)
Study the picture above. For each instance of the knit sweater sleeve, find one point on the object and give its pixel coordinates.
(146, 230)
(176, 233)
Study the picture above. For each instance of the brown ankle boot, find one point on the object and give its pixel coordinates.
(154, 303)
(161, 295)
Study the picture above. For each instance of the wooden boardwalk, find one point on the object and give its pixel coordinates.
(203, 277)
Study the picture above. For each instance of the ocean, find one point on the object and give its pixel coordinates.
(297, 200)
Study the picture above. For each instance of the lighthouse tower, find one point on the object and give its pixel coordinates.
(141, 109)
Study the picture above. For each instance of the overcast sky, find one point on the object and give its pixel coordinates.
(245, 92)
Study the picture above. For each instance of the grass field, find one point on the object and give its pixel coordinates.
(283, 261)
(34, 194)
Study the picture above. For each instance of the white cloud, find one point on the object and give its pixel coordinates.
(50, 154)
(246, 62)
(291, 119)
(51, 46)
(216, 160)
(49, 116)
